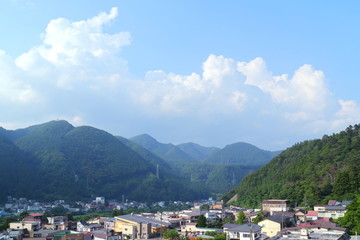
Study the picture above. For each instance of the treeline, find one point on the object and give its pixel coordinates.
(308, 173)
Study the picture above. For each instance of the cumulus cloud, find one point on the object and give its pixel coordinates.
(78, 51)
(78, 74)
(13, 89)
(305, 93)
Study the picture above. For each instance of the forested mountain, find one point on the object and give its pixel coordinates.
(241, 153)
(217, 170)
(16, 171)
(56, 160)
(169, 151)
(197, 151)
(308, 173)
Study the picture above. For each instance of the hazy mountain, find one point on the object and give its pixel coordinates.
(169, 152)
(197, 151)
(241, 153)
(308, 173)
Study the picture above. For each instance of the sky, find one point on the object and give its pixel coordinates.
(270, 73)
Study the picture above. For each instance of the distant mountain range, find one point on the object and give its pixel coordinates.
(56, 160)
(308, 173)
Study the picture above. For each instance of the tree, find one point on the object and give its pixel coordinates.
(351, 220)
(241, 218)
(23, 214)
(204, 207)
(201, 222)
(259, 217)
(171, 234)
(117, 212)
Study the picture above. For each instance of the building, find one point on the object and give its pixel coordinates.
(274, 224)
(275, 206)
(243, 232)
(139, 227)
(313, 232)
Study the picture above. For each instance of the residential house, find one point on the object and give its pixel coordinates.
(274, 224)
(312, 215)
(139, 227)
(244, 232)
(30, 226)
(300, 216)
(275, 205)
(333, 211)
(313, 232)
(57, 223)
(190, 216)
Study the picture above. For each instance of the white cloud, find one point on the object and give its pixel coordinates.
(305, 94)
(78, 52)
(13, 89)
(77, 72)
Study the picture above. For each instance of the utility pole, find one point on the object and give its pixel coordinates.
(157, 171)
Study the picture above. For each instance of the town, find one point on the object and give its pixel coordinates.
(206, 219)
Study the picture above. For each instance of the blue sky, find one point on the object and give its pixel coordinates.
(271, 73)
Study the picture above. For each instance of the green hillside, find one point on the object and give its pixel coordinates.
(16, 171)
(308, 173)
(169, 152)
(77, 163)
(241, 153)
(196, 151)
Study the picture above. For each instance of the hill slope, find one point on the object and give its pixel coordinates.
(241, 153)
(308, 173)
(75, 163)
(169, 151)
(196, 151)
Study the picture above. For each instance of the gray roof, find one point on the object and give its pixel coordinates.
(141, 219)
(335, 208)
(278, 218)
(245, 228)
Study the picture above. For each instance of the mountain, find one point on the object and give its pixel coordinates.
(147, 155)
(308, 173)
(241, 153)
(201, 166)
(77, 162)
(196, 151)
(170, 152)
(16, 170)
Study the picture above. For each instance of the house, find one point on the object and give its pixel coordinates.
(243, 232)
(30, 226)
(191, 216)
(312, 215)
(300, 216)
(274, 224)
(275, 205)
(57, 223)
(333, 211)
(313, 232)
(139, 227)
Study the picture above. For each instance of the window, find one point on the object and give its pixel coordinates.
(245, 235)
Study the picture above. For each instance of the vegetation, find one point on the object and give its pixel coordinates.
(70, 163)
(216, 235)
(351, 220)
(201, 222)
(241, 218)
(308, 173)
(241, 153)
(171, 234)
(259, 217)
